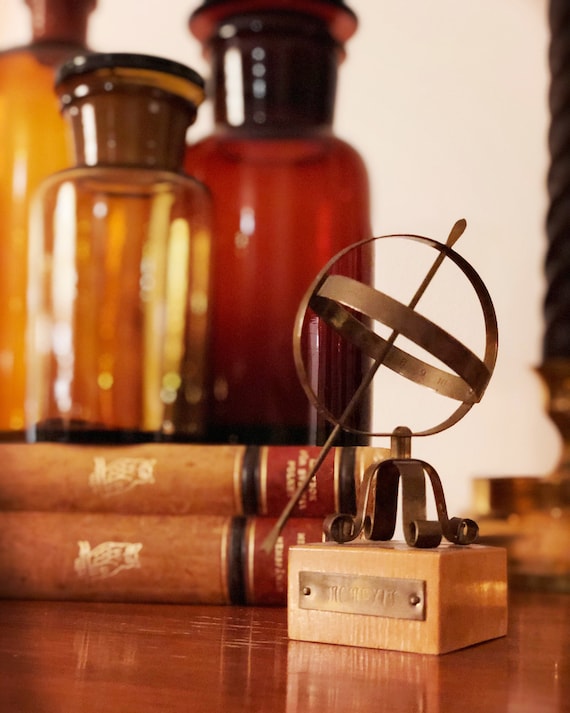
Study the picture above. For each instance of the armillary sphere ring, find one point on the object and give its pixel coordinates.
(335, 299)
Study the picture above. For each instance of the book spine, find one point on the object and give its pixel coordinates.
(104, 557)
(143, 479)
(192, 559)
(180, 479)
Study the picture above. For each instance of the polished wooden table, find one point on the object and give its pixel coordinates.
(58, 657)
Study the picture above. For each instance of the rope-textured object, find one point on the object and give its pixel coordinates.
(556, 339)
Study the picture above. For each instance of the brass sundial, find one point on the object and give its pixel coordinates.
(354, 310)
(358, 587)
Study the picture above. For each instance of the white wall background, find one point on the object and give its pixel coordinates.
(447, 102)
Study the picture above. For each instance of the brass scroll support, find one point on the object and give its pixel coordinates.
(378, 503)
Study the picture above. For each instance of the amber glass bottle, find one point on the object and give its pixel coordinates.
(33, 146)
(119, 260)
(288, 194)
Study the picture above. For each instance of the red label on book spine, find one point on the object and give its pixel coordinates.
(281, 470)
(266, 573)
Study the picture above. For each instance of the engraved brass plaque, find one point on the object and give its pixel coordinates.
(391, 597)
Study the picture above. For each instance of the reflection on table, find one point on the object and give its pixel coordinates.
(120, 657)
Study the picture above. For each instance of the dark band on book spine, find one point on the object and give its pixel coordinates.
(236, 561)
(346, 480)
(249, 480)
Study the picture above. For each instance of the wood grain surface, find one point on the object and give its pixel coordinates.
(57, 657)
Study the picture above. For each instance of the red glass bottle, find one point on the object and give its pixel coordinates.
(288, 194)
(34, 145)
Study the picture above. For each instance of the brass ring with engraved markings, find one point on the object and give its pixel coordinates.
(331, 296)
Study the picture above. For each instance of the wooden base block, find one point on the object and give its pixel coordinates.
(391, 596)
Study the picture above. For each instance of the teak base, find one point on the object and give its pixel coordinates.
(391, 596)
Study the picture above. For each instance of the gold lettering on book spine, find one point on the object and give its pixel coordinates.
(237, 479)
(263, 477)
(114, 477)
(250, 562)
(106, 559)
(226, 562)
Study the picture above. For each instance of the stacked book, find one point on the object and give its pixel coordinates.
(162, 522)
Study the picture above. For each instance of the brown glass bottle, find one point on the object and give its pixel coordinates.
(33, 146)
(288, 194)
(119, 260)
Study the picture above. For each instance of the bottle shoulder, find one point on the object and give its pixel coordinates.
(330, 161)
(312, 147)
(38, 56)
(323, 184)
(122, 179)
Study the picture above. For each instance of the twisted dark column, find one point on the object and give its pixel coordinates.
(556, 340)
(555, 368)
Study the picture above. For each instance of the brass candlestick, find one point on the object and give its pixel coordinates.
(531, 516)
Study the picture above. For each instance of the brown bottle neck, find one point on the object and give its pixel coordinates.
(273, 73)
(119, 118)
(60, 20)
